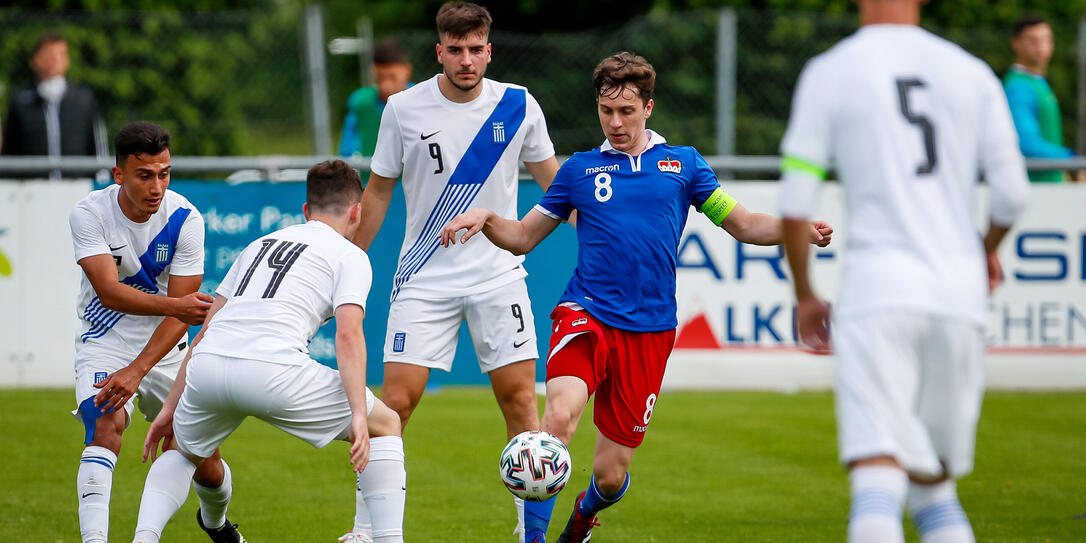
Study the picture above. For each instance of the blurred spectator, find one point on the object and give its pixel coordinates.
(1033, 105)
(55, 117)
(392, 70)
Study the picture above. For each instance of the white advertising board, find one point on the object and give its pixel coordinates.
(736, 305)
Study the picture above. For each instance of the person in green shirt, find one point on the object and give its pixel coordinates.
(1033, 106)
(392, 72)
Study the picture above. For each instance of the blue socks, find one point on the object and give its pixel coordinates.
(594, 501)
(537, 516)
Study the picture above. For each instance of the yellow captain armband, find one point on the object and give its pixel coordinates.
(718, 206)
(796, 164)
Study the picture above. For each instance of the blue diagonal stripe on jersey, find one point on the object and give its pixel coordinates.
(103, 319)
(465, 182)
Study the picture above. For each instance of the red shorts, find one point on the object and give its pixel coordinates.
(624, 370)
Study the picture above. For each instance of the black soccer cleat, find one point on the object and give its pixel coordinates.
(578, 529)
(227, 533)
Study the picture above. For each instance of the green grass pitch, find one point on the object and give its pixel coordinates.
(715, 466)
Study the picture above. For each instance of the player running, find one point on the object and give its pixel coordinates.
(614, 326)
(141, 249)
(251, 360)
(908, 120)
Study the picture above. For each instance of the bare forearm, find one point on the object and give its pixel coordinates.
(796, 238)
(508, 234)
(375, 202)
(164, 339)
(995, 235)
(125, 299)
(761, 229)
(351, 359)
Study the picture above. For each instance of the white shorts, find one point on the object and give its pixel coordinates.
(425, 332)
(93, 364)
(909, 385)
(306, 401)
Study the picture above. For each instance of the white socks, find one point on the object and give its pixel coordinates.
(214, 500)
(938, 515)
(878, 496)
(166, 489)
(383, 486)
(94, 483)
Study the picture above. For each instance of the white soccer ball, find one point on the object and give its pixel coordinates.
(535, 466)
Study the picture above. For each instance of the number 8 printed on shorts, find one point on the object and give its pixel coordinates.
(603, 187)
(650, 404)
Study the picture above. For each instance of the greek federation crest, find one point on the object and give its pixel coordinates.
(499, 131)
(668, 165)
(162, 253)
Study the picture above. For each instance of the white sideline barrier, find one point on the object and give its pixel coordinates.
(737, 300)
(38, 323)
(731, 296)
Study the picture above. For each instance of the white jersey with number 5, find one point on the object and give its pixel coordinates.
(281, 289)
(907, 120)
(454, 157)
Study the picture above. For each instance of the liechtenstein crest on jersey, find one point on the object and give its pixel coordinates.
(162, 252)
(668, 165)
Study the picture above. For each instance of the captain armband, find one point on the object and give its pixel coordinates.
(718, 206)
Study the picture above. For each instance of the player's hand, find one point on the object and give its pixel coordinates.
(161, 430)
(473, 220)
(813, 325)
(360, 442)
(192, 308)
(995, 272)
(118, 388)
(821, 232)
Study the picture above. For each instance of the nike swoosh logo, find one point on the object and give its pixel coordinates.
(427, 136)
(112, 248)
(92, 494)
(518, 345)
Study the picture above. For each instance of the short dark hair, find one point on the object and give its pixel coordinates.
(332, 186)
(47, 37)
(389, 51)
(140, 137)
(1026, 21)
(460, 19)
(621, 69)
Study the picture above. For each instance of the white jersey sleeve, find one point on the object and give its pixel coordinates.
(1002, 163)
(352, 279)
(188, 258)
(388, 160)
(806, 147)
(88, 233)
(229, 283)
(537, 142)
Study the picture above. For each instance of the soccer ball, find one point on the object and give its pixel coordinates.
(535, 466)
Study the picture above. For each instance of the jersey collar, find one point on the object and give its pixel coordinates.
(635, 161)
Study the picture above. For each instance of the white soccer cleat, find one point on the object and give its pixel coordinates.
(356, 537)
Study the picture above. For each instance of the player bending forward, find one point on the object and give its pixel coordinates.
(614, 326)
(250, 359)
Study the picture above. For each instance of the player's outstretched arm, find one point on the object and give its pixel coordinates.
(101, 271)
(517, 237)
(351, 359)
(375, 201)
(121, 386)
(161, 429)
(762, 229)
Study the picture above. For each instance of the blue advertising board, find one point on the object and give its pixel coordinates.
(236, 214)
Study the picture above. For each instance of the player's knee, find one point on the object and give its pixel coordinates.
(108, 430)
(383, 421)
(560, 423)
(210, 472)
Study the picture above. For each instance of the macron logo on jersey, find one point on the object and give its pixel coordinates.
(668, 165)
(598, 169)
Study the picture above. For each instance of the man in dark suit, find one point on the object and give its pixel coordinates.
(55, 117)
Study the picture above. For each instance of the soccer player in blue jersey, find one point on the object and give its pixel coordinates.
(141, 249)
(614, 326)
